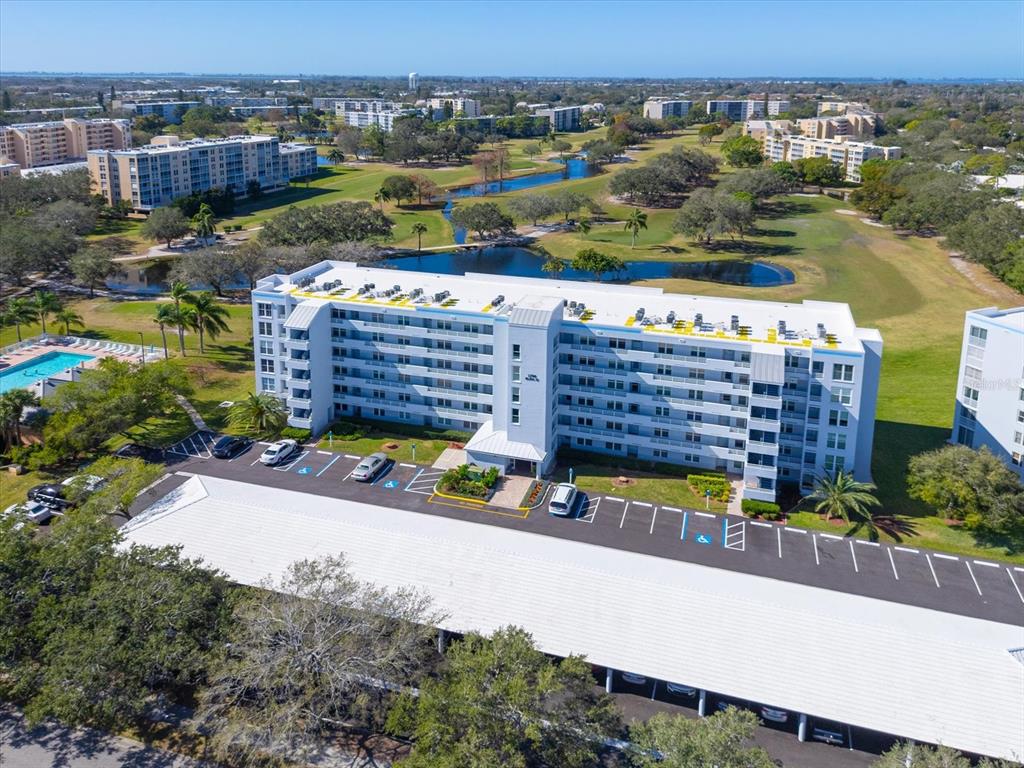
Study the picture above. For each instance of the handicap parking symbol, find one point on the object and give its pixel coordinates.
(391, 484)
(305, 470)
(703, 538)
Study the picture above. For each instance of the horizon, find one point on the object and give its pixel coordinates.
(658, 40)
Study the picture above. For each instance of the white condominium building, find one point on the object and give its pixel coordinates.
(773, 393)
(739, 110)
(850, 155)
(161, 172)
(468, 107)
(990, 384)
(659, 109)
(297, 160)
(170, 111)
(342, 104)
(32, 145)
(383, 120)
(843, 108)
(562, 118)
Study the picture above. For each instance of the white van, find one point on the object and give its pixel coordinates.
(563, 501)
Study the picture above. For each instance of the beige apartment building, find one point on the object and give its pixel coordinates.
(468, 107)
(32, 145)
(159, 173)
(850, 155)
(855, 126)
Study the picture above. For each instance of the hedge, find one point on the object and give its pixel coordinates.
(357, 430)
(295, 433)
(766, 509)
(719, 486)
(469, 481)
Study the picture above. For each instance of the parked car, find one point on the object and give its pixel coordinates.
(827, 735)
(563, 500)
(774, 715)
(230, 446)
(633, 679)
(32, 511)
(680, 690)
(51, 495)
(132, 451)
(278, 452)
(370, 467)
(88, 483)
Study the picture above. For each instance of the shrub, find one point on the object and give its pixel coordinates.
(466, 480)
(719, 486)
(766, 509)
(302, 435)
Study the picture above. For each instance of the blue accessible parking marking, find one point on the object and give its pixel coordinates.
(702, 538)
(305, 470)
(391, 484)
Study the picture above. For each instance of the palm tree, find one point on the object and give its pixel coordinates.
(45, 304)
(637, 220)
(12, 406)
(68, 317)
(839, 495)
(179, 292)
(382, 196)
(166, 315)
(19, 312)
(203, 222)
(419, 229)
(894, 526)
(259, 414)
(206, 316)
(554, 266)
(336, 156)
(583, 226)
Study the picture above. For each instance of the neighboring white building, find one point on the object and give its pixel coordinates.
(170, 111)
(766, 391)
(468, 107)
(850, 155)
(297, 160)
(562, 118)
(414, 81)
(383, 120)
(990, 385)
(739, 110)
(659, 109)
(340, 104)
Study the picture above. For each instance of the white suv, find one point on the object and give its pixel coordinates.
(564, 500)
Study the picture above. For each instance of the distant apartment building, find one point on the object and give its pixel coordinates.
(297, 160)
(739, 110)
(468, 107)
(842, 108)
(990, 385)
(339, 104)
(562, 118)
(771, 393)
(414, 81)
(159, 173)
(850, 155)
(758, 129)
(854, 126)
(659, 109)
(9, 169)
(170, 111)
(33, 145)
(247, 101)
(383, 120)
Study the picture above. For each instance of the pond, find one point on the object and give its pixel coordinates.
(521, 262)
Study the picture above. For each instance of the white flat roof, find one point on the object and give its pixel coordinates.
(608, 305)
(913, 672)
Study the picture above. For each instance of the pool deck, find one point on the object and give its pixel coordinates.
(99, 350)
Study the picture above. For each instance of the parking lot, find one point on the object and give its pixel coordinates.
(967, 586)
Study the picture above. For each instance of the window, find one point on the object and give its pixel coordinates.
(515, 394)
(267, 384)
(836, 441)
(978, 336)
(817, 367)
(834, 463)
(842, 395)
(842, 372)
(838, 418)
(264, 310)
(660, 454)
(516, 352)
(970, 393)
(515, 415)
(266, 329)
(515, 373)
(266, 347)
(267, 366)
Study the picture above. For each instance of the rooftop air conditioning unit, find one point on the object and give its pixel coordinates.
(640, 314)
(734, 322)
(698, 319)
(671, 318)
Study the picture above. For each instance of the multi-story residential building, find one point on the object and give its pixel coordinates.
(758, 129)
(159, 173)
(383, 120)
(247, 101)
(842, 108)
(739, 110)
(9, 169)
(32, 145)
(773, 393)
(170, 111)
(659, 109)
(341, 104)
(562, 118)
(414, 81)
(459, 104)
(848, 154)
(990, 385)
(854, 126)
(297, 160)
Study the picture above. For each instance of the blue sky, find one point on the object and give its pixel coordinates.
(584, 39)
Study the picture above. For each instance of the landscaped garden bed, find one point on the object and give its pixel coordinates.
(469, 481)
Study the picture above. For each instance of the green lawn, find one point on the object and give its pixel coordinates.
(378, 436)
(666, 490)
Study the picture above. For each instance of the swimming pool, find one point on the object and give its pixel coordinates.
(28, 373)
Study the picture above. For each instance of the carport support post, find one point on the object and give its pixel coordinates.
(702, 703)
(608, 679)
(440, 641)
(801, 732)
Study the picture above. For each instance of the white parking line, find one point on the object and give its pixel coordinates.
(591, 511)
(290, 464)
(625, 509)
(830, 536)
(676, 509)
(641, 504)
(932, 569)
(778, 532)
(653, 518)
(328, 466)
(854, 556)
(704, 514)
(971, 571)
(614, 498)
(892, 562)
(907, 549)
(350, 456)
(324, 453)
(254, 461)
(797, 530)
(945, 557)
(408, 466)
(986, 563)
(759, 524)
(1014, 582)
(868, 543)
(730, 535)
(815, 540)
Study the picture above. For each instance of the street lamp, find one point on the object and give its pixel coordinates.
(142, 348)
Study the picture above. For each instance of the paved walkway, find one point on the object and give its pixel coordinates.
(511, 491)
(450, 458)
(192, 413)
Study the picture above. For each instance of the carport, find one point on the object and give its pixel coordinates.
(490, 447)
